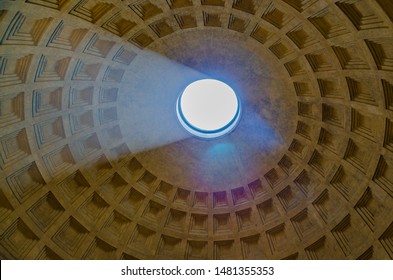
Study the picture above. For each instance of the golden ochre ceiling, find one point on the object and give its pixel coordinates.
(94, 165)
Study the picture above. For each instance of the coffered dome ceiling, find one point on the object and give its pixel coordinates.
(95, 165)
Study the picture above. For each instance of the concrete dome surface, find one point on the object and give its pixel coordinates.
(94, 163)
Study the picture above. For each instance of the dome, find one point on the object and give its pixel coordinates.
(94, 163)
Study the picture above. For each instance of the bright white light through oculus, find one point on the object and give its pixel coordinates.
(208, 108)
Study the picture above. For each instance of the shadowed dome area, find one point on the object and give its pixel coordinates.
(95, 164)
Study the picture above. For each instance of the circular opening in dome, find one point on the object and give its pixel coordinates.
(208, 108)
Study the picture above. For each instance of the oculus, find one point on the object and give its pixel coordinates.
(208, 108)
